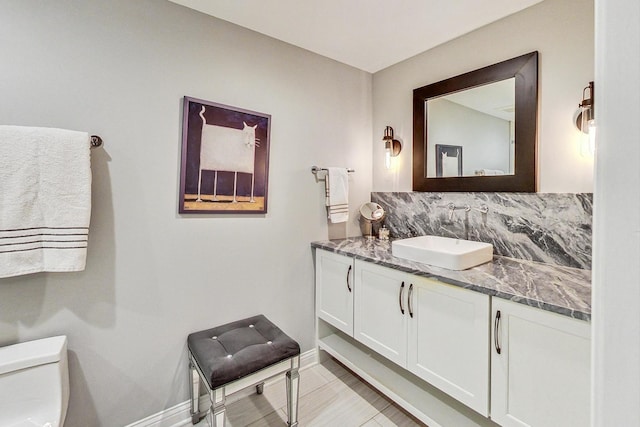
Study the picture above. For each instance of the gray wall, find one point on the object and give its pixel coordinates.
(485, 139)
(561, 30)
(119, 68)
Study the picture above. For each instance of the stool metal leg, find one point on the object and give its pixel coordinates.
(293, 391)
(194, 393)
(218, 409)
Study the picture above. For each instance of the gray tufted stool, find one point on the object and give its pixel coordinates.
(238, 355)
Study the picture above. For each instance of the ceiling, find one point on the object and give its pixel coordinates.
(496, 99)
(366, 34)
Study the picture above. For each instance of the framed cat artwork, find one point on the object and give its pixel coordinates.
(225, 159)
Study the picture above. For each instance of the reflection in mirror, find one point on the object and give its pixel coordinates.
(371, 211)
(479, 122)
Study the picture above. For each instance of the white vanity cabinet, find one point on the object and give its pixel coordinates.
(540, 365)
(449, 340)
(437, 331)
(451, 356)
(380, 310)
(334, 290)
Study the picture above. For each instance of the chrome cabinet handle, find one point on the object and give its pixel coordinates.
(348, 274)
(400, 298)
(496, 330)
(409, 300)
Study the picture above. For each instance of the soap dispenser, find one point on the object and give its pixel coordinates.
(383, 233)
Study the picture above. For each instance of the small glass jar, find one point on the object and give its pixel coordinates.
(383, 233)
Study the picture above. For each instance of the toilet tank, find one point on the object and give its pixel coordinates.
(34, 383)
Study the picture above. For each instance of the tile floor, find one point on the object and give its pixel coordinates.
(330, 395)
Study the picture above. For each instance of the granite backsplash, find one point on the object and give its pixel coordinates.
(553, 228)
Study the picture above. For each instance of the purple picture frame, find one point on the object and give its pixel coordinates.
(453, 151)
(225, 159)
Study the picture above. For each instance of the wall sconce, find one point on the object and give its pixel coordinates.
(392, 147)
(585, 120)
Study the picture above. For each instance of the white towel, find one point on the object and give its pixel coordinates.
(45, 200)
(449, 165)
(337, 192)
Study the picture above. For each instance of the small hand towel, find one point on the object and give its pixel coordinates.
(449, 165)
(337, 190)
(45, 200)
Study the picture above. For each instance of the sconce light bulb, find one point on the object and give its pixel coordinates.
(592, 136)
(387, 158)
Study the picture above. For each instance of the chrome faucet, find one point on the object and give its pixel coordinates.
(482, 209)
(452, 208)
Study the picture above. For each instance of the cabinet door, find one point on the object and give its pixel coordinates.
(449, 340)
(380, 320)
(540, 367)
(334, 290)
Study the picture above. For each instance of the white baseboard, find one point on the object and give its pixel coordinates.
(179, 415)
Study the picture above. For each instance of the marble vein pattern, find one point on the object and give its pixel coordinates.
(562, 290)
(553, 228)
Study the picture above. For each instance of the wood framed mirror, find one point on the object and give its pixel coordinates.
(490, 113)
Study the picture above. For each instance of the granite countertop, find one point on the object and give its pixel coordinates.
(562, 290)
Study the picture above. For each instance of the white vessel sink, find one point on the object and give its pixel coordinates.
(445, 252)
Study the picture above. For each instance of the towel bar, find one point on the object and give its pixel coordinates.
(316, 169)
(96, 141)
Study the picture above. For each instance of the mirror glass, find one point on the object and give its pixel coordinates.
(371, 211)
(477, 131)
(472, 132)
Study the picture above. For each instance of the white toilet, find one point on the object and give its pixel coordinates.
(34, 383)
